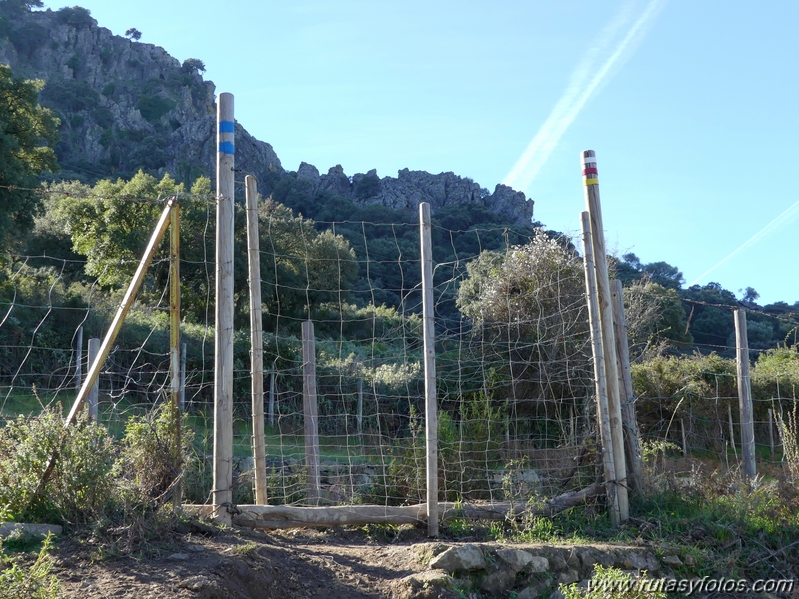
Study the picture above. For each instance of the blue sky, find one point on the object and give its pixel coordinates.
(691, 107)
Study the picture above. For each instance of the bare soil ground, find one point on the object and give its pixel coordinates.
(243, 564)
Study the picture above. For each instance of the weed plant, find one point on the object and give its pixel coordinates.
(18, 581)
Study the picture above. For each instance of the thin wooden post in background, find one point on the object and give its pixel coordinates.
(222, 491)
(603, 419)
(256, 340)
(174, 343)
(431, 401)
(182, 396)
(79, 359)
(745, 394)
(632, 444)
(359, 415)
(684, 441)
(591, 184)
(92, 400)
(732, 432)
(771, 433)
(310, 410)
(271, 409)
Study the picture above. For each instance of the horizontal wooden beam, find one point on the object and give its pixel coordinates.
(285, 516)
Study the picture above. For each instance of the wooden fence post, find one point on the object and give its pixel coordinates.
(223, 341)
(92, 400)
(174, 344)
(182, 396)
(745, 395)
(632, 443)
(591, 184)
(359, 415)
(603, 420)
(256, 340)
(310, 410)
(271, 408)
(431, 401)
(771, 433)
(79, 359)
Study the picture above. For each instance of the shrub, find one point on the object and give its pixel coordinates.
(612, 583)
(80, 487)
(76, 16)
(35, 582)
(153, 108)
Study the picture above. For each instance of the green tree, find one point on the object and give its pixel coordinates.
(133, 34)
(25, 130)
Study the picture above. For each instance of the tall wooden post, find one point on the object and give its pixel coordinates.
(79, 359)
(359, 414)
(311, 410)
(223, 341)
(591, 184)
(174, 340)
(632, 444)
(256, 340)
(431, 401)
(92, 400)
(603, 420)
(745, 394)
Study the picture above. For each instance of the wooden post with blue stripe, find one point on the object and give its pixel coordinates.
(604, 297)
(223, 341)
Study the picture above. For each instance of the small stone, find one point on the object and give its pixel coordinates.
(574, 560)
(558, 563)
(672, 561)
(689, 560)
(195, 548)
(498, 583)
(195, 583)
(178, 556)
(539, 564)
(587, 559)
(515, 558)
(557, 594)
(634, 561)
(462, 557)
(534, 591)
(421, 583)
(568, 577)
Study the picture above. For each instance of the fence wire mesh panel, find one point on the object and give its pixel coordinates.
(513, 354)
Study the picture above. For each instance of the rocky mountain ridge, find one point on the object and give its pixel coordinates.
(126, 105)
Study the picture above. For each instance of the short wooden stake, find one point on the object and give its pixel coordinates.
(684, 441)
(431, 401)
(271, 407)
(222, 492)
(182, 395)
(603, 418)
(92, 401)
(745, 395)
(311, 412)
(771, 433)
(591, 184)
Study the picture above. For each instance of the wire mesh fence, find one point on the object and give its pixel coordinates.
(515, 375)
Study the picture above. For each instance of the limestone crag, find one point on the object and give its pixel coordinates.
(122, 104)
(410, 188)
(126, 105)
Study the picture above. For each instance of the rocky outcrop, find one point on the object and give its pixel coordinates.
(410, 188)
(123, 104)
(126, 105)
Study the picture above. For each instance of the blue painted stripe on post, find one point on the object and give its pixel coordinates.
(226, 127)
(226, 147)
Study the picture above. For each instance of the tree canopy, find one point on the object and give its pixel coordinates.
(26, 129)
